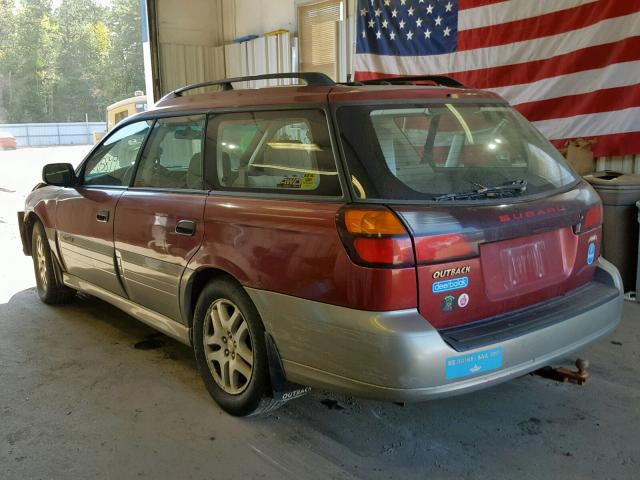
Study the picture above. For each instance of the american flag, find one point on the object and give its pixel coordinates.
(572, 67)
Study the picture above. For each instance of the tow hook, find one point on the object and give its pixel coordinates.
(565, 375)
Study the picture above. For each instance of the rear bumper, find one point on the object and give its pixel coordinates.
(399, 356)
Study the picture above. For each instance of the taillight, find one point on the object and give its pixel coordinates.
(449, 246)
(592, 218)
(375, 237)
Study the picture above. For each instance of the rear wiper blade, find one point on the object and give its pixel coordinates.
(508, 189)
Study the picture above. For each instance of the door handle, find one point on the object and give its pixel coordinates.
(186, 227)
(102, 216)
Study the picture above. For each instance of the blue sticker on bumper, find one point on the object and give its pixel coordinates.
(473, 363)
(451, 284)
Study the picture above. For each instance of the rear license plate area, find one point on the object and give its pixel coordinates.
(521, 265)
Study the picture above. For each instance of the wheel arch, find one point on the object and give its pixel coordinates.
(32, 217)
(280, 388)
(30, 220)
(195, 283)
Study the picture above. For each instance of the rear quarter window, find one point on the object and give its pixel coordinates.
(287, 152)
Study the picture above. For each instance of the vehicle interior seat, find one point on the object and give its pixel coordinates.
(277, 164)
(224, 167)
(194, 178)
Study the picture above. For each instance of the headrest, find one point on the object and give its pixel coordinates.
(194, 173)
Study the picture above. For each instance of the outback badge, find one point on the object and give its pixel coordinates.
(451, 272)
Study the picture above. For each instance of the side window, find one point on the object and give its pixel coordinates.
(277, 152)
(113, 162)
(173, 155)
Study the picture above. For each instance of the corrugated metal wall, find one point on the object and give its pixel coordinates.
(184, 64)
(626, 164)
(38, 134)
(268, 54)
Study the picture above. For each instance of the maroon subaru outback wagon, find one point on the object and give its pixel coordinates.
(401, 239)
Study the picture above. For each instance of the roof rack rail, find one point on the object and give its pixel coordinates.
(311, 78)
(411, 80)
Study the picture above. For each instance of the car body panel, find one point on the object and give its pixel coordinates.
(8, 141)
(245, 99)
(86, 243)
(150, 317)
(381, 93)
(523, 253)
(399, 356)
(293, 247)
(151, 255)
(42, 204)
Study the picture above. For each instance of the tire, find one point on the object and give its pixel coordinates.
(51, 290)
(230, 349)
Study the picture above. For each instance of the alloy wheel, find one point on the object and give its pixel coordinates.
(228, 346)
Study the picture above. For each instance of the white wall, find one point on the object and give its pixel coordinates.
(215, 22)
(192, 35)
(197, 22)
(259, 17)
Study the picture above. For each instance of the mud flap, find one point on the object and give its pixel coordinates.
(283, 389)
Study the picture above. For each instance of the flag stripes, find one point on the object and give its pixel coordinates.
(555, 23)
(572, 66)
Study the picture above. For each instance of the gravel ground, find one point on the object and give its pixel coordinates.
(79, 400)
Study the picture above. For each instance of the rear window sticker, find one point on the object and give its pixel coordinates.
(309, 181)
(290, 182)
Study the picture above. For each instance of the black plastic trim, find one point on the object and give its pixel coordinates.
(282, 389)
(310, 78)
(26, 247)
(411, 79)
(529, 319)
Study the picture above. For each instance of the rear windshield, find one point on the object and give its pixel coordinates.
(441, 152)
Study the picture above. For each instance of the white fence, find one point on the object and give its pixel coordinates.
(39, 134)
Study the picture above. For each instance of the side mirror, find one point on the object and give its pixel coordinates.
(59, 174)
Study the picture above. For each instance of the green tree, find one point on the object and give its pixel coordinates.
(126, 67)
(80, 61)
(62, 65)
(7, 38)
(28, 62)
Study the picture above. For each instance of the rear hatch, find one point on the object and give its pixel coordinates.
(475, 263)
(498, 220)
